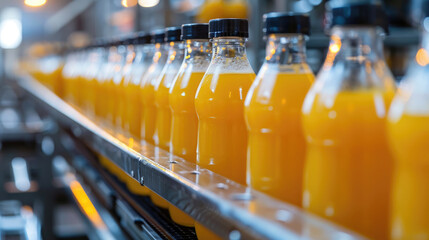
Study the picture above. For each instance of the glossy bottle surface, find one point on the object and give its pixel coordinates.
(409, 137)
(162, 93)
(182, 99)
(184, 122)
(347, 177)
(134, 109)
(276, 146)
(123, 87)
(148, 92)
(222, 134)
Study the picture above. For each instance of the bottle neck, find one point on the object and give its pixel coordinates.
(198, 49)
(355, 44)
(285, 49)
(229, 47)
(175, 51)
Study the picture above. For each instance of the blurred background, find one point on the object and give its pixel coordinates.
(26, 24)
(33, 200)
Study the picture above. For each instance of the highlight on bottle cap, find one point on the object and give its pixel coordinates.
(195, 31)
(286, 22)
(158, 36)
(228, 27)
(356, 13)
(142, 38)
(172, 34)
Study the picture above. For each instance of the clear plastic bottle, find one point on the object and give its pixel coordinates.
(95, 61)
(116, 83)
(132, 118)
(130, 55)
(409, 138)
(133, 107)
(162, 89)
(347, 177)
(184, 122)
(148, 85)
(276, 148)
(219, 103)
(163, 85)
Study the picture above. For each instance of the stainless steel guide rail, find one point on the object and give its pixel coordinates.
(227, 208)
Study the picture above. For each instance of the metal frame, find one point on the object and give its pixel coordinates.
(225, 207)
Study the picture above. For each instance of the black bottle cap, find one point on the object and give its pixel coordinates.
(195, 31)
(158, 36)
(358, 13)
(284, 22)
(142, 38)
(172, 34)
(228, 27)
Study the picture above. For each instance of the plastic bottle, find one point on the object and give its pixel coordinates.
(219, 103)
(184, 123)
(148, 83)
(163, 85)
(409, 138)
(347, 177)
(276, 148)
(162, 89)
(133, 109)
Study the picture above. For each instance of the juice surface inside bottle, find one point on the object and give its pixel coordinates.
(162, 93)
(184, 122)
(134, 108)
(347, 176)
(409, 137)
(276, 142)
(184, 117)
(276, 146)
(219, 103)
(107, 86)
(222, 142)
(125, 81)
(117, 85)
(148, 92)
(101, 102)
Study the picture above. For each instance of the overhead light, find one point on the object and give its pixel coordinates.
(34, 3)
(10, 28)
(148, 3)
(129, 3)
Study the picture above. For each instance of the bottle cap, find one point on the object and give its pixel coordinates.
(228, 27)
(285, 22)
(195, 31)
(142, 38)
(172, 34)
(357, 13)
(158, 36)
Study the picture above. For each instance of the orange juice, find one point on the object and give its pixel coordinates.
(222, 134)
(348, 164)
(162, 90)
(409, 136)
(184, 126)
(162, 93)
(125, 81)
(148, 92)
(184, 122)
(117, 85)
(133, 110)
(276, 148)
